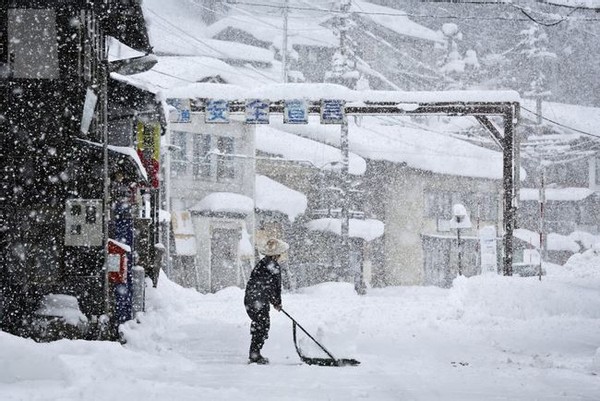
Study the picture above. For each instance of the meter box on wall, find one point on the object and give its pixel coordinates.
(83, 222)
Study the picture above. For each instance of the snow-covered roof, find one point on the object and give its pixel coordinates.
(175, 27)
(120, 51)
(556, 194)
(583, 118)
(272, 195)
(225, 202)
(294, 147)
(124, 150)
(368, 229)
(305, 32)
(317, 91)
(392, 19)
(418, 148)
(182, 71)
(556, 242)
(121, 245)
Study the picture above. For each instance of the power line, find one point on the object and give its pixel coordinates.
(413, 15)
(559, 124)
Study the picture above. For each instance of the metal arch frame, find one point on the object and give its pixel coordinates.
(505, 138)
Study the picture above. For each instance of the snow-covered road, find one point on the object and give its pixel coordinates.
(487, 338)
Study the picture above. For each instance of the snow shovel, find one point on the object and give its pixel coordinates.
(331, 361)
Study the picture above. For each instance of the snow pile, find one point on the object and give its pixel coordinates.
(586, 264)
(24, 360)
(519, 298)
(63, 306)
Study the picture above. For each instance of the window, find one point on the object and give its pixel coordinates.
(225, 164)
(179, 161)
(202, 164)
(32, 44)
(438, 204)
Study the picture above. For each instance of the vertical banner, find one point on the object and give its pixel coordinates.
(332, 111)
(148, 149)
(257, 111)
(217, 111)
(295, 111)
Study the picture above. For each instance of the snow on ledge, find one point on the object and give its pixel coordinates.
(555, 194)
(368, 229)
(225, 202)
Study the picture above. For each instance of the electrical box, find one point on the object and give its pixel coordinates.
(83, 222)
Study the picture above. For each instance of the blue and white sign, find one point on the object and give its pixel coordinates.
(257, 111)
(332, 111)
(295, 111)
(183, 110)
(217, 111)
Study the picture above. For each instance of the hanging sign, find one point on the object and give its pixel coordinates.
(332, 111)
(295, 111)
(217, 111)
(488, 249)
(257, 111)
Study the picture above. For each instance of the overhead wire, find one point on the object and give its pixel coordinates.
(559, 124)
(414, 15)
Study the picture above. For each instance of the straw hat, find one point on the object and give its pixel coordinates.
(273, 247)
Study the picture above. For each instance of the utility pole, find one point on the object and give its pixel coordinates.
(542, 194)
(357, 275)
(284, 74)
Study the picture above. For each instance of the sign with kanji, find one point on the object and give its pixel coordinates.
(332, 111)
(217, 111)
(257, 111)
(183, 108)
(295, 111)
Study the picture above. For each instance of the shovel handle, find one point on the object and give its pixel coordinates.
(309, 336)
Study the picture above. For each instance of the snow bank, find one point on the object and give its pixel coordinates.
(586, 264)
(520, 298)
(23, 359)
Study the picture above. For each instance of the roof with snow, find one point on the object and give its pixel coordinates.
(188, 35)
(225, 202)
(555, 194)
(368, 229)
(317, 91)
(297, 148)
(394, 20)
(272, 195)
(184, 71)
(305, 32)
(582, 118)
(420, 149)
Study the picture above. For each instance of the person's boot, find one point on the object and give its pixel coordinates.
(256, 357)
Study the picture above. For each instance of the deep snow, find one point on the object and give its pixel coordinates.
(486, 338)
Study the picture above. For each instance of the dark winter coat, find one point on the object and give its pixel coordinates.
(264, 285)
